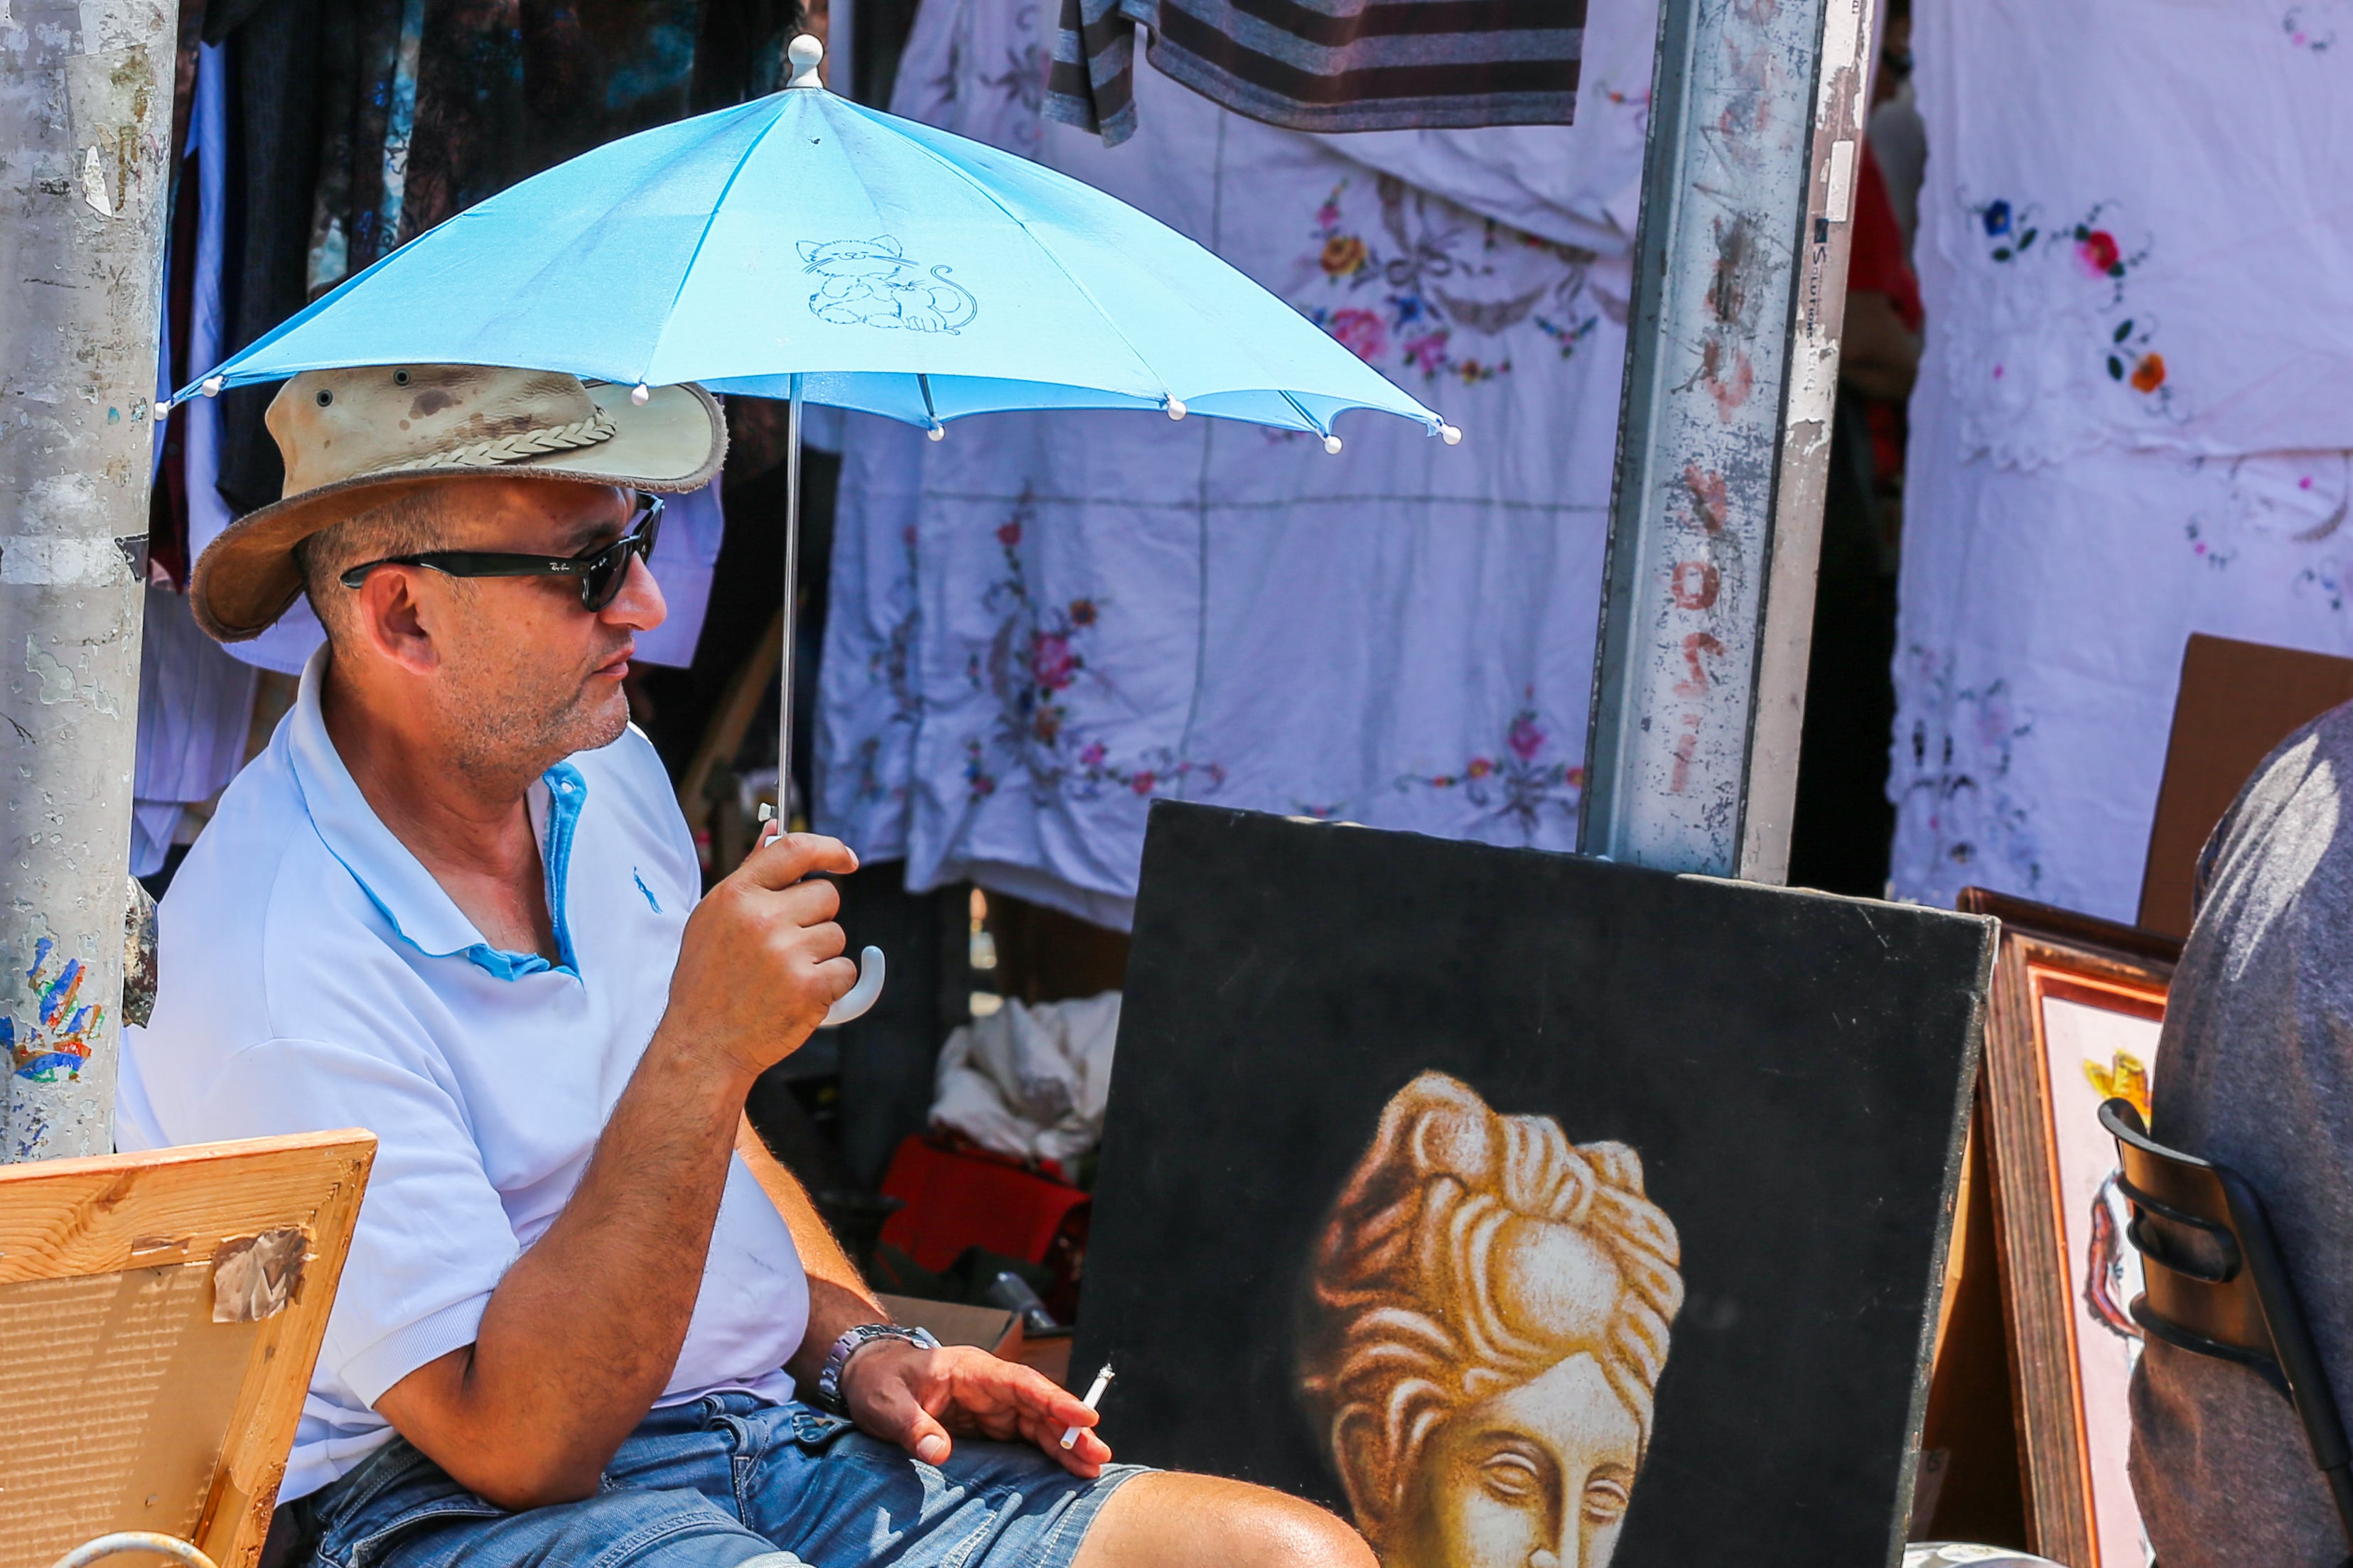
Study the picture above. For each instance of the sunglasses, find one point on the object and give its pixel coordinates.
(601, 571)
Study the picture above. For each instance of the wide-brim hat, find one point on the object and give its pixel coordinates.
(353, 438)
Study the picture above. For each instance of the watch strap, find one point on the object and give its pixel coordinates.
(828, 1395)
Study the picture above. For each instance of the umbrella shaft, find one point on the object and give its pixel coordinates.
(792, 607)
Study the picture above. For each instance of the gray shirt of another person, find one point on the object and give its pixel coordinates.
(2255, 1071)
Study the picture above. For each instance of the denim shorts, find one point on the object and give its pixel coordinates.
(726, 1481)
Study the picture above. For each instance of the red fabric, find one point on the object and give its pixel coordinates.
(1875, 260)
(959, 1200)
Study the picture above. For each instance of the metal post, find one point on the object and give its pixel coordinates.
(1724, 447)
(85, 137)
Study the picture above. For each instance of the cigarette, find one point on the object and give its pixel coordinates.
(1093, 1398)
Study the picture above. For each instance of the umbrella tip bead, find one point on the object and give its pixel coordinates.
(641, 395)
(1449, 434)
(163, 406)
(213, 385)
(1176, 408)
(804, 53)
(1332, 444)
(937, 433)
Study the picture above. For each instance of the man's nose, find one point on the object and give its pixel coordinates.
(639, 605)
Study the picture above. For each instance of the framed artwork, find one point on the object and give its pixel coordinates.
(1526, 1208)
(2077, 1008)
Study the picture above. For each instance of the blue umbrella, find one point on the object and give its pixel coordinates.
(804, 248)
(802, 244)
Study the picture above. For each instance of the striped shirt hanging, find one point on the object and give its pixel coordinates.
(1325, 64)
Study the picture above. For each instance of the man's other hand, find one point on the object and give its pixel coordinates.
(914, 1397)
(760, 960)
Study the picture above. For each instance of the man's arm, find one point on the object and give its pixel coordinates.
(584, 1333)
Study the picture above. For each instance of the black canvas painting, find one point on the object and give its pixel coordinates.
(1529, 1209)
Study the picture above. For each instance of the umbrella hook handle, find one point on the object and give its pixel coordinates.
(861, 995)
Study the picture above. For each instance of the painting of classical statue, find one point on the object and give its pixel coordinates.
(1526, 1210)
(1488, 1312)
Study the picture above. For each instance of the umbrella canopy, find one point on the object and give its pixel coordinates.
(882, 265)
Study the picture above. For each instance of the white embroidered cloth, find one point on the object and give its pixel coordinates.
(2149, 235)
(2040, 645)
(2067, 527)
(1045, 621)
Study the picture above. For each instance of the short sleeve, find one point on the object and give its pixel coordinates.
(433, 1239)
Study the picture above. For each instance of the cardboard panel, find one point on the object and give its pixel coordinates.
(125, 1402)
(120, 1388)
(2238, 700)
(1786, 1074)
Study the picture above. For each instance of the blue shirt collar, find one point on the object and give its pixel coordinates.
(395, 880)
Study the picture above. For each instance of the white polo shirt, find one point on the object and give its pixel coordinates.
(313, 975)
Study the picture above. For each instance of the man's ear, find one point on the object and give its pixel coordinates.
(392, 622)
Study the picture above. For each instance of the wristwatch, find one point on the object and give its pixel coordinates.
(828, 1395)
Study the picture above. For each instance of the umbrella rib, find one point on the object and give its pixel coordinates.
(1022, 224)
(686, 273)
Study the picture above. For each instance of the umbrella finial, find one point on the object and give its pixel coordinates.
(804, 53)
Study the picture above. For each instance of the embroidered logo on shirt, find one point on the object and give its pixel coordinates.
(653, 902)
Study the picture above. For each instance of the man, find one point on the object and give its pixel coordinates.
(454, 903)
(2255, 1072)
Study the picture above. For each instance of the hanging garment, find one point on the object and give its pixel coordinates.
(684, 559)
(1045, 621)
(2144, 214)
(195, 706)
(209, 144)
(2040, 641)
(183, 507)
(2068, 525)
(430, 106)
(1356, 64)
(275, 85)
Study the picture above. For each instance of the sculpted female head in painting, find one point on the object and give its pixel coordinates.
(1486, 1321)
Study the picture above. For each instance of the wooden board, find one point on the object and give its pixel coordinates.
(2238, 700)
(124, 1403)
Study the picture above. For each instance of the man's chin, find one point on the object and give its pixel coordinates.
(602, 721)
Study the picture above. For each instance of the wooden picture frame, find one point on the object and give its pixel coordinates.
(2073, 1017)
(160, 1316)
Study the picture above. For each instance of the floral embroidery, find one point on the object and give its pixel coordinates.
(1435, 277)
(1962, 749)
(2290, 498)
(2329, 577)
(2304, 33)
(1021, 84)
(2093, 253)
(1516, 780)
(1033, 664)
